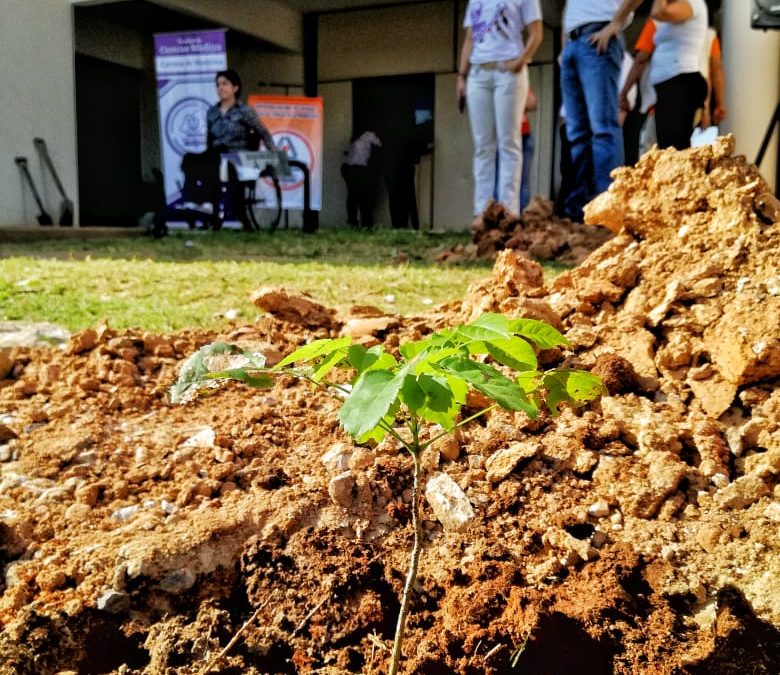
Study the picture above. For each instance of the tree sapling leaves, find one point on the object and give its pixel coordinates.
(571, 386)
(540, 333)
(372, 396)
(514, 352)
(194, 375)
(412, 394)
(491, 382)
(362, 359)
(314, 350)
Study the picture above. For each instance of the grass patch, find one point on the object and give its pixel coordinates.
(191, 279)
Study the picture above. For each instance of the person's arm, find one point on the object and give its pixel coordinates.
(464, 65)
(532, 42)
(718, 87)
(250, 118)
(672, 11)
(531, 102)
(638, 67)
(601, 38)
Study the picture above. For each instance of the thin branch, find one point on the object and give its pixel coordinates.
(235, 638)
(427, 444)
(311, 613)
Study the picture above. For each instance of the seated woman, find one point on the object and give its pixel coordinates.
(233, 125)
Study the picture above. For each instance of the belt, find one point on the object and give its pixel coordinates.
(493, 65)
(586, 29)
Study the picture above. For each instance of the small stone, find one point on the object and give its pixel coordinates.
(178, 581)
(5, 453)
(448, 447)
(501, 463)
(708, 537)
(772, 512)
(87, 494)
(336, 459)
(742, 493)
(77, 512)
(361, 459)
(341, 489)
(720, 480)
(599, 509)
(449, 503)
(125, 513)
(204, 438)
(113, 602)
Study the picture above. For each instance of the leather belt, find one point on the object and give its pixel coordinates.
(493, 65)
(586, 29)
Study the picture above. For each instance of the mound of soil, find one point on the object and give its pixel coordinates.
(538, 232)
(637, 535)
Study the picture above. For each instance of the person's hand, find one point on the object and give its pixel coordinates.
(515, 65)
(601, 38)
(460, 89)
(705, 121)
(719, 114)
(625, 106)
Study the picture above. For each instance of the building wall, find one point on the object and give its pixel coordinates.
(390, 41)
(37, 81)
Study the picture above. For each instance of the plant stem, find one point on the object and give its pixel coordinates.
(411, 576)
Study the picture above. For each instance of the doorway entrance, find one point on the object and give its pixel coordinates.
(400, 109)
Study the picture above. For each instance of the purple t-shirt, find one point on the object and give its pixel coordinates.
(497, 27)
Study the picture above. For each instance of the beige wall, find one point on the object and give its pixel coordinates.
(37, 81)
(751, 61)
(337, 108)
(265, 19)
(390, 41)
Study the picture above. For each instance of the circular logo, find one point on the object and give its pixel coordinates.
(297, 147)
(185, 125)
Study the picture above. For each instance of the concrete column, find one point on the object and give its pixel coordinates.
(751, 62)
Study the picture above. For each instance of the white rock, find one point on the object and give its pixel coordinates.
(502, 462)
(113, 602)
(449, 503)
(336, 460)
(599, 509)
(204, 438)
(720, 480)
(125, 513)
(341, 489)
(772, 512)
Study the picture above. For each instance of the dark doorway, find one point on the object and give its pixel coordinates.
(400, 110)
(108, 101)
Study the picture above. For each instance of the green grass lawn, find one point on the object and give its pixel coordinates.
(191, 279)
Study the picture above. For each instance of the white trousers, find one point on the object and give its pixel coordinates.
(496, 102)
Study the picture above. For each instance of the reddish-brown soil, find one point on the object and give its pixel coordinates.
(637, 535)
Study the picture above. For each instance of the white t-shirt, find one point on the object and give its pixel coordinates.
(678, 46)
(579, 12)
(497, 27)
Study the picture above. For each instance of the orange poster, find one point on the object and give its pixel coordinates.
(295, 122)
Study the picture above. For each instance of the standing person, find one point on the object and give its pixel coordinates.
(362, 178)
(493, 79)
(528, 150)
(590, 72)
(233, 125)
(675, 69)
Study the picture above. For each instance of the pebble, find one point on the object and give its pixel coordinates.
(720, 480)
(599, 509)
(77, 512)
(5, 453)
(772, 512)
(449, 503)
(113, 602)
(178, 581)
(341, 489)
(336, 459)
(125, 513)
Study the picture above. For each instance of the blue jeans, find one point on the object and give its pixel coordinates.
(589, 82)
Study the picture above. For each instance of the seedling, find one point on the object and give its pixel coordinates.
(425, 384)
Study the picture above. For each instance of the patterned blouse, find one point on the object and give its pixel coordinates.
(231, 130)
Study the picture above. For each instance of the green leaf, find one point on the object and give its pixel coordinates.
(513, 352)
(570, 386)
(492, 383)
(194, 371)
(314, 350)
(540, 333)
(372, 396)
(362, 359)
(497, 323)
(412, 394)
(438, 394)
(529, 381)
(328, 363)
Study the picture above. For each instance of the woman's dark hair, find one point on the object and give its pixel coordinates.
(231, 76)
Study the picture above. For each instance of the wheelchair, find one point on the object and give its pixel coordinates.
(241, 185)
